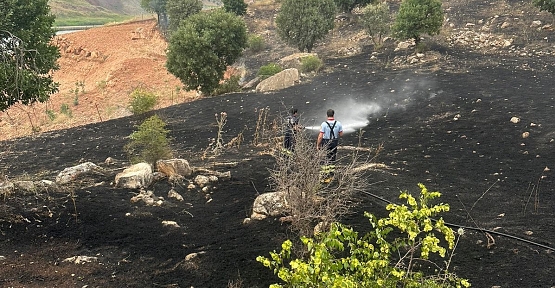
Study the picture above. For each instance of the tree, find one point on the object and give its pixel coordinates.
(545, 5)
(203, 46)
(178, 10)
(158, 7)
(348, 5)
(27, 54)
(238, 7)
(418, 17)
(303, 23)
(376, 20)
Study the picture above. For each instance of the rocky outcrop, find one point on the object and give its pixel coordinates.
(136, 176)
(281, 80)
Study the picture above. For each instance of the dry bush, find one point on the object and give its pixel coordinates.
(315, 197)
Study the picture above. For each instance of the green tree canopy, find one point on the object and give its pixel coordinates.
(545, 5)
(178, 10)
(238, 7)
(203, 46)
(158, 7)
(349, 5)
(303, 23)
(26, 52)
(376, 20)
(417, 17)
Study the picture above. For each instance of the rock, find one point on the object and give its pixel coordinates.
(6, 188)
(320, 227)
(535, 24)
(72, 173)
(515, 120)
(251, 84)
(25, 185)
(167, 223)
(294, 61)
(136, 176)
(148, 198)
(403, 45)
(201, 180)
(505, 25)
(525, 135)
(269, 204)
(173, 194)
(81, 259)
(174, 167)
(281, 80)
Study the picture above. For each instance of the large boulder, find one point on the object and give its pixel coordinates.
(72, 173)
(174, 167)
(136, 176)
(281, 80)
(270, 204)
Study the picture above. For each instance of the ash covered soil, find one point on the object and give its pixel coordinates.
(450, 131)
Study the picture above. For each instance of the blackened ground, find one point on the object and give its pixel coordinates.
(448, 130)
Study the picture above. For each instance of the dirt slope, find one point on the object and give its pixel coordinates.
(106, 64)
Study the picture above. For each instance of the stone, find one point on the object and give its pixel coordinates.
(535, 24)
(72, 173)
(173, 194)
(167, 223)
(252, 83)
(136, 176)
(284, 79)
(270, 204)
(202, 180)
(294, 60)
(6, 188)
(174, 167)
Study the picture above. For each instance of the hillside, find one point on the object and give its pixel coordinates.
(64, 8)
(105, 64)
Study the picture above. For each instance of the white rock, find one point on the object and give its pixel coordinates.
(136, 176)
(72, 173)
(270, 204)
(167, 223)
(201, 180)
(173, 194)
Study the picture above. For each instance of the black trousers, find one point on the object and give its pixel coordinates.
(289, 141)
(331, 147)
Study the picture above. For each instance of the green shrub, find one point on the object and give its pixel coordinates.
(64, 109)
(311, 63)
(256, 43)
(387, 256)
(268, 70)
(142, 101)
(150, 142)
(51, 114)
(228, 86)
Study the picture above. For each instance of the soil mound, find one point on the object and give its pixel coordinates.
(99, 68)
